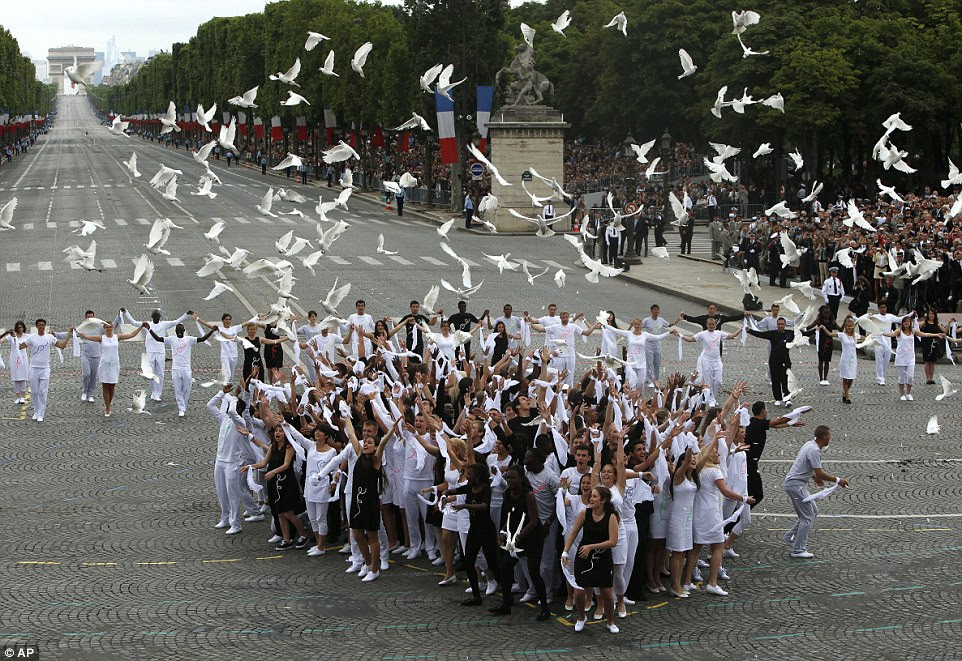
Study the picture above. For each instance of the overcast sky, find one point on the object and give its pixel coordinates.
(139, 25)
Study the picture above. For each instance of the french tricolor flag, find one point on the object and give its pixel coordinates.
(446, 135)
(330, 124)
(277, 133)
(485, 103)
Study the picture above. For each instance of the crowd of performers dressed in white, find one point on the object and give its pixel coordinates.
(599, 488)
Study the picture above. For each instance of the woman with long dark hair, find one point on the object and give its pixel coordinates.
(365, 514)
(17, 362)
(283, 491)
(682, 487)
(905, 336)
(823, 342)
(594, 567)
(932, 348)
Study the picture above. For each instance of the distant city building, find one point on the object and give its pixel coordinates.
(128, 55)
(98, 76)
(41, 67)
(122, 73)
(62, 57)
(152, 52)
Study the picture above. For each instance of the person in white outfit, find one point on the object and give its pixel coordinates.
(181, 348)
(153, 347)
(560, 338)
(637, 367)
(905, 354)
(710, 359)
(883, 345)
(227, 463)
(17, 361)
(317, 488)
(38, 347)
(228, 349)
(655, 325)
(108, 360)
(361, 320)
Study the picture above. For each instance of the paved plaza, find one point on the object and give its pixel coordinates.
(109, 550)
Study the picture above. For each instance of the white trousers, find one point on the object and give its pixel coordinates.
(39, 383)
(416, 510)
(227, 364)
(568, 363)
(181, 379)
(711, 373)
(636, 375)
(883, 354)
(631, 533)
(89, 369)
(228, 491)
(317, 513)
(653, 360)
(157, 367)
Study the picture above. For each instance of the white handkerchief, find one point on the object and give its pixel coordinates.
(252, 481)
(76, 345)
(201, 332)
(569, 576)
(679, 347)
(824, 493)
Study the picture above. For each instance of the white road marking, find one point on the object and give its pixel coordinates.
(120, 221)
(432, 260)
(108, 263)
(369, 260)
(13, 266)
(401, 260)
(45, 266)
(338, 260)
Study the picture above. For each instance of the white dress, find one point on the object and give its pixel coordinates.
(661, 504)
(17, 361)
(848, 364)
(680, 517)
(905, 350)
(619, 554)
(706, 526)
(109, 371)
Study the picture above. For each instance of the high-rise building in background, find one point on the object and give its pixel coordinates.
(41, 68)
(98, 76)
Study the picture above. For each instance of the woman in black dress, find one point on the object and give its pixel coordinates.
(273, 353)
(594, 567)
(481, 533)
(825, 342)
(283, 490)
(931, 346)
(518, 501)
(499, 339)
(252, 351)
(365, 514)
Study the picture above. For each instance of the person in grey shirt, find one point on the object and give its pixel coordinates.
(656, 325)
(807, 465)
(545, 484)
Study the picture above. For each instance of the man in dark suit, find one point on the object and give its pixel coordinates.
(888, 294)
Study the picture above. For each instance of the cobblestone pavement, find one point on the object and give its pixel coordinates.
(109, 550)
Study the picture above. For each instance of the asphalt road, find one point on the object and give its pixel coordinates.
(109, 553)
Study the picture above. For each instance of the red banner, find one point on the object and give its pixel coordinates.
(378, 139)
(405, 143)
(258, 128)
(301, 125)
(277, 132)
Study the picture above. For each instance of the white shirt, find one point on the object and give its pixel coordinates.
(564, 332)
(366, 322)
(150, 344)
(228, 349)
(180, 350)
(39, 348)
(832, 287)
(710, 343)
(323, 345)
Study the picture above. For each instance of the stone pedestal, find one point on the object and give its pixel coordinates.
(525, 137)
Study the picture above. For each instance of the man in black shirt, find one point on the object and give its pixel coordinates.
(779, 361)
(465, 321)
(888, 294)
(414, 340)
(755, 436)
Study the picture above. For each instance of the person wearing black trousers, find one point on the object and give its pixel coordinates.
(641, 461)
(779, 362)
(529, 540)
(755, 436)
(687, 232)
(824, 343)
(481, 533)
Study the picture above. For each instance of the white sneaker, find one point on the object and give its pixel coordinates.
(701, 564)
(778, 402)
(690, 587)
(180, 414)
(723, 575)
(903, 398)
(437, 562)
(908, 397)
(628, 602)
(234, 530)
(413, 554)
(823, 382)
(385, 564)
(39, 419)
(613, 628)
(433, 555)
(730, 553)
(371, 575)
(314, 552)
(354, 568)
(275, 539)
(528, 596)
(804, 555)
(714, 589)
(696, 575)
(265, 508)
(221, 524)
(515, 588)
(253, 518)
(363, 572)
(400, 549)
(599, 612)
(491, 589)
(345, 549)
(580, 624)
(468, 590)
(881, 383)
